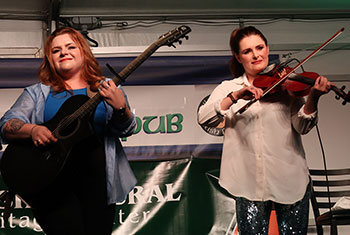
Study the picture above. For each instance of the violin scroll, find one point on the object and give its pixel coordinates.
(341, 94)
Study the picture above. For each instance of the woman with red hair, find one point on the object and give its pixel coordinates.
(82, 199)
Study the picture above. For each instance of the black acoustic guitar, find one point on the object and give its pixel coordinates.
(27, 169)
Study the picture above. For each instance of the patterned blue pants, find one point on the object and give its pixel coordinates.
(253, 216)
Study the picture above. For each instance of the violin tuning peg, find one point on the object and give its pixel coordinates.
(337, 97)
(344, 102)
(343, 87)
(180, 42)
(186, 37)
(172, 45)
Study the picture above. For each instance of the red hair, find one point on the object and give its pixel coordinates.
(91, 71)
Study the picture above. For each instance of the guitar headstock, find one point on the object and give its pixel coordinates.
(174, 36)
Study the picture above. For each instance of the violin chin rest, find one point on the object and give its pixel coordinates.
(269, 70)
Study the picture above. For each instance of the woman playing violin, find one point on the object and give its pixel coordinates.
(263, 161)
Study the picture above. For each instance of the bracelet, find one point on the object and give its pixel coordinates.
(120, 111)
(232, 98)
(121, 114)
(31, 130)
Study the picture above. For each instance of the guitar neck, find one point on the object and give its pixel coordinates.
(135, 64)
(166, 39)
(92, 103)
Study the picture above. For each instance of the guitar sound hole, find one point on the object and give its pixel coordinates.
(69, 130)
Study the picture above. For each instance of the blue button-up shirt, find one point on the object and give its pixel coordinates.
(29, 107)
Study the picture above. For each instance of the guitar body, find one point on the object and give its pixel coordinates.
(27, 169)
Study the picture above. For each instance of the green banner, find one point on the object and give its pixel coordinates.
(172, 197)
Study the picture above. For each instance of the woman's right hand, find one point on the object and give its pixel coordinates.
(249, 92)
(41, 135)
(17, 129)
(246, 93)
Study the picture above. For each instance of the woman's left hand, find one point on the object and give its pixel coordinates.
(112, 94)
(322, 86)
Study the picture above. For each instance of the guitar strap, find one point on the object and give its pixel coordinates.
(90, 93)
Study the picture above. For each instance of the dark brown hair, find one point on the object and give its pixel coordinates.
(91, 69)
(237, 35)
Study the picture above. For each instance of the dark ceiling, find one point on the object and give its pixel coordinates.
(175, 9)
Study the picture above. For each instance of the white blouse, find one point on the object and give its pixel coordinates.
(263, 157)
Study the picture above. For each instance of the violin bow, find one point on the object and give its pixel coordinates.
(286, 75)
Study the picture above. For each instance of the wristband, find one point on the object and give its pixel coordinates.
(232, 98)
(120, 111)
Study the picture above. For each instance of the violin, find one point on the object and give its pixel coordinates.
(299, 84)
(285, 76)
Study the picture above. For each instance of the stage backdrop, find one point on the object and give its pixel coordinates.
(175, 160)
